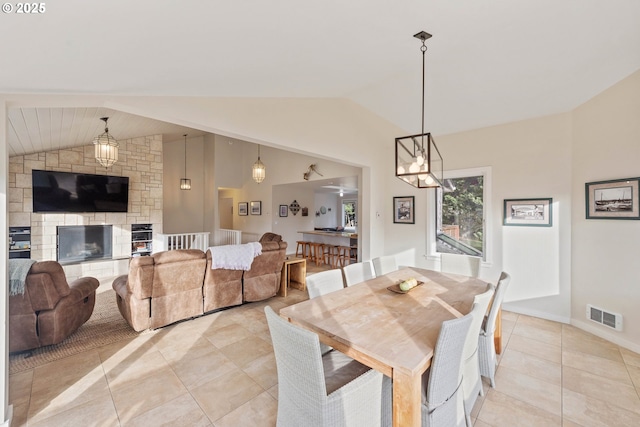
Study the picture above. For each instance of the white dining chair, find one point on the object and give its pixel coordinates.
(324, 390)
(324, 282)
(471, 381)
(358, 272)
(463, 265)
(486, 346)
(443, 402)
(384, 264)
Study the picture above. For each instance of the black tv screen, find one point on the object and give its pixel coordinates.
(79, 192)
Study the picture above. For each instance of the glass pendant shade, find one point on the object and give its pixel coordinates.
(106, 147)
(258, 171)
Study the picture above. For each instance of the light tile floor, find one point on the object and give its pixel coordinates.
(219, 370)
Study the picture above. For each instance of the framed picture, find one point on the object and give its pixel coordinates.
(616, 199)
(403, 210)
(256, 208)
(284, 210)
(528, 212)
(243, 208)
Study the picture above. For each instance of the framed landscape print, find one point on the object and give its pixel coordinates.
(528, 212)
(403, 210)
(256, 208)
(615, 199)
(284, 210)
(243, 208)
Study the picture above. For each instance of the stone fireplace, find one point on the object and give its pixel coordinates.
(79, 243)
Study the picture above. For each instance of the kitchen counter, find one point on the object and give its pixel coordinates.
(339, 238)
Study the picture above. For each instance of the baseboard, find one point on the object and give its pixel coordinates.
(536, 313)
(612, 336)
(7, 423)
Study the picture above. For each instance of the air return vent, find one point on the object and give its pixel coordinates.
(606, 318)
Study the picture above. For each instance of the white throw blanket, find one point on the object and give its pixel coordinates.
(234, 257)
(18, 270)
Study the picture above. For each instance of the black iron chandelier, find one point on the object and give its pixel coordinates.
(418, 160)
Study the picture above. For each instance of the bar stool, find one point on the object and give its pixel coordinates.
(329, 255)
(353, 254)
(302, 249)
(344, 255)
(316, 252)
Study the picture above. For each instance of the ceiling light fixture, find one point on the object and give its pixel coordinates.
(258, 169)
(185, 183)
(106, 147)
(418, 160)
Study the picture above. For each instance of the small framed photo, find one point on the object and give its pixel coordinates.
(284, 210)
(256, 208)
(528, 212)
(243, 208)
(616, 199)
(403, 210)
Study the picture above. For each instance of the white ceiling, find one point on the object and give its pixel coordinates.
(489, 62)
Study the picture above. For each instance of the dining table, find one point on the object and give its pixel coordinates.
(393, 332)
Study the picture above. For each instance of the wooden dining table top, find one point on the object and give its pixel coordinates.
(391, 332)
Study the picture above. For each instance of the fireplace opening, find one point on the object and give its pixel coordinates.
(78, 243)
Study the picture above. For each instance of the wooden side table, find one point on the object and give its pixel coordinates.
(294, 273)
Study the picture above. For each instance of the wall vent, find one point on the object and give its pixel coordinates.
(606, 318)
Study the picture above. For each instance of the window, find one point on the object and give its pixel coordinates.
(460, 214)
(349, 213)
(460, 219)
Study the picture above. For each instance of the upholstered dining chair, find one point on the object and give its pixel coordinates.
(443, 402)
(460, 264)
(358, 272)
(324, 282)
(471, 381)
(384, 264)
(324, 390)
(486, 346)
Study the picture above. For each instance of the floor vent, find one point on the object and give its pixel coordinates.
(598, 315)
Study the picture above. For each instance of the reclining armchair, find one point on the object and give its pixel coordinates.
(50, 309)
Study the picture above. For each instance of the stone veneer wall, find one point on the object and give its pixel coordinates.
(140, 159)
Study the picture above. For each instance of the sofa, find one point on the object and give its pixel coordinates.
(174, 285)
(50, 309)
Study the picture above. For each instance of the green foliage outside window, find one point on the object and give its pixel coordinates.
(463, 207)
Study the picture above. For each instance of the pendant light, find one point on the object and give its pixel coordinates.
(258, 170)
(185, 183)
(418, 160)
(106, 147)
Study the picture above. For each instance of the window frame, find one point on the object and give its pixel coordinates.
(487, 212)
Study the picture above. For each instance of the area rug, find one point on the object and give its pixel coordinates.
(105, 326)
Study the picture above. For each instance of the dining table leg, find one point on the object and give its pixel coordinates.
(497, 335)
(407, 393)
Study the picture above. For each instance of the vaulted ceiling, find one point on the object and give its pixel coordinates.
(489, 62)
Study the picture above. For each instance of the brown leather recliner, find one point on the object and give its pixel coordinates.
(50, 309)
(262, 281)
(162, 288)
(226, 288)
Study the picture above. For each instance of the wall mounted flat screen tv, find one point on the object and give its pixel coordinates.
(79, 192)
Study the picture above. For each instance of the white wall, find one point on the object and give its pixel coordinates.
(184, 210)
(330, 219)
(606, 271)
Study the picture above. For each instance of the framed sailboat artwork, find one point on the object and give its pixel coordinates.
(614, 199)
